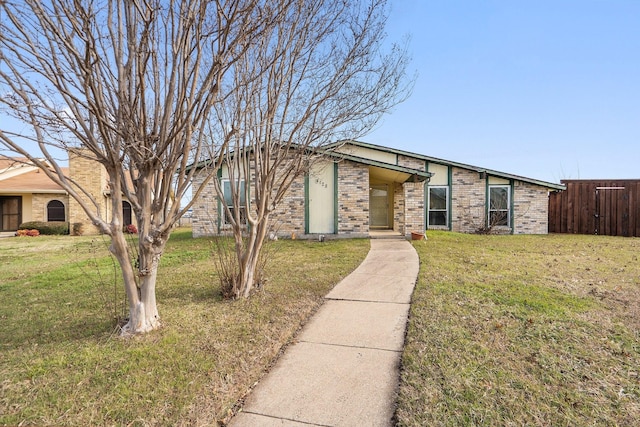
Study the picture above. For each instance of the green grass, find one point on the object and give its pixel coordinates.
(62, 363)
(523, 330)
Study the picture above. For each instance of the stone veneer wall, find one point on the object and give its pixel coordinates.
(39, 205)
(530, 209)
(353, 198)
(468, 199)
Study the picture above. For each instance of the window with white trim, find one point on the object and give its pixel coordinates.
(228, 200)
(438, 214)
(499, 206)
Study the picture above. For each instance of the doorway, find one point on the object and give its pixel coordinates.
(379, 206)
(10, 213)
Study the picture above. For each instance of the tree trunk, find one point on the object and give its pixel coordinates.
(143, 315)
(248, 259)
(143, 311)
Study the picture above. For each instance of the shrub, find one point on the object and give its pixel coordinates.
(131, 229)
(25, 233)
(43, 227)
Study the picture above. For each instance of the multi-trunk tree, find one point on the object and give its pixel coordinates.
(131, 85)
(146, 88)
(320, 73)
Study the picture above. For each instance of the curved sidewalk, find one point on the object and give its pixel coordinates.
(344, 368)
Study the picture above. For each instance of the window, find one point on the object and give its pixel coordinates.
(228, 200)
(438, 206)
(126, 213)
(55, 211)
(499, 206)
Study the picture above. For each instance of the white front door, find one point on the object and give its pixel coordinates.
(322, 198)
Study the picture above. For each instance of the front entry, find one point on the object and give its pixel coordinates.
(10, 213)
(321, 191)
(379, 206)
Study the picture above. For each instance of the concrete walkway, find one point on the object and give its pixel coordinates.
(344, 368)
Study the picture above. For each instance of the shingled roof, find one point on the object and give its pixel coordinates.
(18, 175)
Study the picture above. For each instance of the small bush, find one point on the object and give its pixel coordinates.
(49, 228)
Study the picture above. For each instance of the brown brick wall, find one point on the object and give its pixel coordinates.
(353, 198)
(530, 209)
(398, 208)
(93, 178)
(205, 210)
(414, 207)
(289, 217)
(39, 203)
(468, 199)
(411, 162)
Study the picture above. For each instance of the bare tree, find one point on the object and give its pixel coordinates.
(319, 74)
(131, 85)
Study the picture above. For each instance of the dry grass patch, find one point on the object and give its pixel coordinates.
(61, 363)
(523, 330)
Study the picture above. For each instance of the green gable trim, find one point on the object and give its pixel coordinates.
(450, 179)
(448, 163)
(335, 198)
(306, 203)
(219, 174)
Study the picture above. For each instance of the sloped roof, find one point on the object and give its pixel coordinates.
(491, 172)
(18, 175)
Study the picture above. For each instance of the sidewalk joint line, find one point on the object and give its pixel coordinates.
(363, 300)
(284, 418)
(351, 346)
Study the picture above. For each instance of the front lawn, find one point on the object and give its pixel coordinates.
(62, 363)
(523, 330)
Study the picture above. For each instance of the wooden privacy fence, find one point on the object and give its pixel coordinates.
(608, 207)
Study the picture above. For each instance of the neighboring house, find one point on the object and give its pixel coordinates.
(27, 194)
(361, 187)
(596, 206)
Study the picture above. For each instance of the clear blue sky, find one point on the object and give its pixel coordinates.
(544, 89)
(548, 89)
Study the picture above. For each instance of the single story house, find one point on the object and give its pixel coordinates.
(27, 194)
(359, 187)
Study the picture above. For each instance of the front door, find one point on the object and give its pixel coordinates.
(322, 194)
(379, 206)
(10, 213)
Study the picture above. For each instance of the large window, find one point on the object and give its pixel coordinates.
(55, 211)
(226, 188)
(499, 205)
(438, 206)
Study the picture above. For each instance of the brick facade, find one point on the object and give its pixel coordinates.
(39, 203)
(530, 209)
(468, 199)
(398, 209)
(414, 205)
(289, 216)
(353, 199)
(205, 210)
(93, 178)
